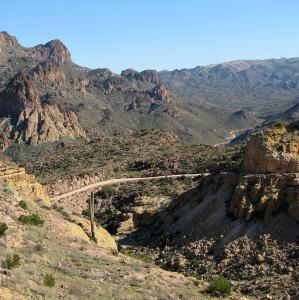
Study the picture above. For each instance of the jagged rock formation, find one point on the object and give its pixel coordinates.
(274, 150)
(264, 196)
(53, 50)
(161, 92)
(27, 99)
(36, 121)
(149, 76)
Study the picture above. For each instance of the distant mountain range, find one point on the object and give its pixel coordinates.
(45, 97)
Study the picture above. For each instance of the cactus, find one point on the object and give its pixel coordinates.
(91, 215)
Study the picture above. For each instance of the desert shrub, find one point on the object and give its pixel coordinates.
(9, 190)
(106, 192)
(141, 256)
(220, 286)
(46, 207)
(11, 262)
(49, 280)
(3, 228)
(61, 210)
(33, 219)
(23, 204)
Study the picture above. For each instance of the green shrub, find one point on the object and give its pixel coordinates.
(11, 262)
(61, 210)
(49, 280)
(46, 207)
(33, 219)
(23, 204)
(3, 228)
(220, 286)
(141, 256)
(9, 190)
(106, 192)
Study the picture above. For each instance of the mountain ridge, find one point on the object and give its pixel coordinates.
(199, 104)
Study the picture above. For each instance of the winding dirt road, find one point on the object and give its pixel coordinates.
(232, 134)
(121, 180)
(129, 179)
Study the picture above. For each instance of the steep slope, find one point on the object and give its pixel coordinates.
(48, 254)
(290, 115)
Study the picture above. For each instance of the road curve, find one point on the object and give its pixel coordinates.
(121, 180)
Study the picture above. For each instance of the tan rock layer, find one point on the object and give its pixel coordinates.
(265, 195)
(275, 150)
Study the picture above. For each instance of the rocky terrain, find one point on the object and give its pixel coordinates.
(68, 127)
(63, 166)
(48, 254)
(243, 226)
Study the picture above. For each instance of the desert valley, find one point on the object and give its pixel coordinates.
(194, 174)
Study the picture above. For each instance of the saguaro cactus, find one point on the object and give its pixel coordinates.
(91, 215)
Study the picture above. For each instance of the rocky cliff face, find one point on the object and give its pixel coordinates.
(264, 196)
(35, 120)
(274, 150)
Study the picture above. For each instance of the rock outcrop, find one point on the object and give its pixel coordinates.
(160, 92)
(274, 150)
(149, 76)
(7, 40)
(272, 161)
(264, 196)
(54, 50)
(47, 124)
(23, 183)
(36, 121)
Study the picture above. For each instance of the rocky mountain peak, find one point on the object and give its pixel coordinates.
(129, 74)
(149, 76)
(58, 52)
(7, 40)
(33, 120)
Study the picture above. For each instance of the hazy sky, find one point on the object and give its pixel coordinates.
(157, 34)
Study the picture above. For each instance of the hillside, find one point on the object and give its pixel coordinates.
(47, 253)
(241, 225)
(266, 87)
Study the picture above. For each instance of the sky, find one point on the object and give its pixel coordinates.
(157, 34)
